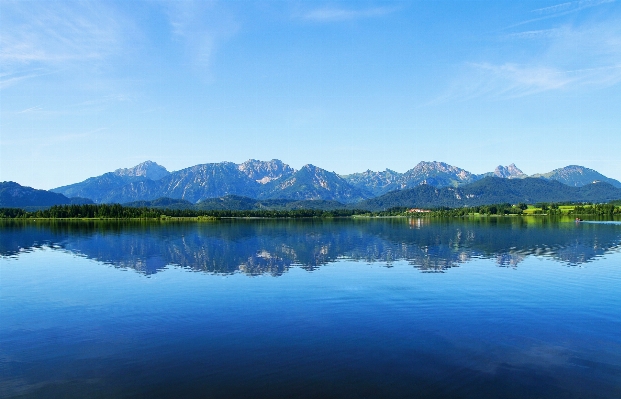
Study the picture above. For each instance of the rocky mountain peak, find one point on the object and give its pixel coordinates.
(148, 169)
(509, 172)
(424, 170)
(265, 171)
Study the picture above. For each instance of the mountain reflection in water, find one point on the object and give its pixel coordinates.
(272, 247)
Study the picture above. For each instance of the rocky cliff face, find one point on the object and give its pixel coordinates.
(264, 172)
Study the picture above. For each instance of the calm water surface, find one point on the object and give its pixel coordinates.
(517, 308)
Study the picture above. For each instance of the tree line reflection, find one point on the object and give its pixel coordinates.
(273, 247)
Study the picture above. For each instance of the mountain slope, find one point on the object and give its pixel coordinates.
(375, 183)
(191, 184)
(99, 188)
(13, 195)
(313, 183)
(509, 172)
(577, 176)
(147, 169)
(163, 202)
(437, 174)
(235, 202)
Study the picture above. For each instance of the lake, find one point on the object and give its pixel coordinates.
(343, 308)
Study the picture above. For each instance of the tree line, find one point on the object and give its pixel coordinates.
(117, 211)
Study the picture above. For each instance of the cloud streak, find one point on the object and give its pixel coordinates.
(559, 10)
(514, 80)
(570, 6)
(333, 14)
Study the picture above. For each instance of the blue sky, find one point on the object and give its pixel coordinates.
(89, 87)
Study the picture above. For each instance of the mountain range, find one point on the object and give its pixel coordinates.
(274, 183)
(493, 190)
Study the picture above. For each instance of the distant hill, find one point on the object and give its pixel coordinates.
(13, 195)
(238, 203)
(578, 176)
(163, 202)
(234, 202)
(491, 190)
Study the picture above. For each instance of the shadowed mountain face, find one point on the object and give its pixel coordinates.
(273, 247)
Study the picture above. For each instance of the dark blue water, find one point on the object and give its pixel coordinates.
(518, 308)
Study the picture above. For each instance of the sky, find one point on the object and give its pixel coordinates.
(89, 87)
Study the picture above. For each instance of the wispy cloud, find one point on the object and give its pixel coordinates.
(201, 26)
(334, 14)
(514, 80)
(56, 32)
(8, 80)
(36, 38)
(54, 139)
(29, 110)
(572, 56)
(537, 34)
